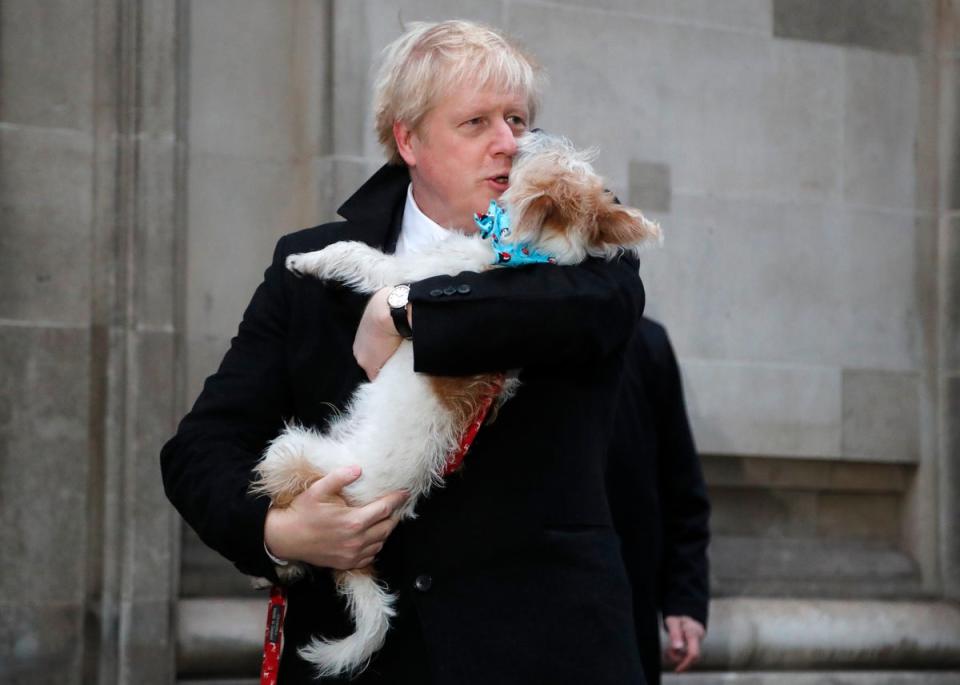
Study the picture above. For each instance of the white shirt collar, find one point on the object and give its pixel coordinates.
(418, 232)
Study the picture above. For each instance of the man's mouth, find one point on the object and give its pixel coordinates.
(501, 181)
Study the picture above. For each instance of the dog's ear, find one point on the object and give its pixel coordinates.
(535, 213)
(626, 226)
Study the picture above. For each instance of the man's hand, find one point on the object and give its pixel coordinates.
(377, 338)
(320, 528)
(685, 635)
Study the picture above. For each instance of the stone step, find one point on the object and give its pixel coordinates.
(219, 638)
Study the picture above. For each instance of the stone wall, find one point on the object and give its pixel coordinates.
(800, 155)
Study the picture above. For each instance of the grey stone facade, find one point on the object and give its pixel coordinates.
(801, 156)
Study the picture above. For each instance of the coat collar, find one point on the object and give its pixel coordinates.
(375, 211)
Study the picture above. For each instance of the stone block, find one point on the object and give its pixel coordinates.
(46, 189)
(148, 521)
(204, 573)
(804, 474)
(762, 513)
(768, 410)
(734, 15)
(237, 211)
(889, 25)
(755, 560)
(219, 637)
(949, 147)
(44, 462)
(157, 61)
(40, 644)
(256, 73)
(790, 284)
(649, 184)
(949, 484)
(859, 516)
(814, 677)
(881, 415)
(47, 51)
(149, 637)
(731, 113)
(352, 77)
(762, 634)
(155, 234)
(880, 129)
(750, 640)
(950, 334)
(203, 356)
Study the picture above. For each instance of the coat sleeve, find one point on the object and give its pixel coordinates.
(525, 316)
(685, 508)
(208, 463)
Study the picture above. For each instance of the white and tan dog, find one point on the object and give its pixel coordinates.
(402, 427)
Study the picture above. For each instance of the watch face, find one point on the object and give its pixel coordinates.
(398, 296)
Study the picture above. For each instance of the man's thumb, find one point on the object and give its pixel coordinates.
(335, 481)
(675, 632)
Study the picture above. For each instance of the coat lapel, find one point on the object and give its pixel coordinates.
(375, 211)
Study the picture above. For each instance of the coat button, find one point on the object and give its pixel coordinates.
(449, 290)
(463, 288)
(423, 582)
(436, 292)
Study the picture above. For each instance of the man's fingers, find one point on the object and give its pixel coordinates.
(675, 632)
(692, 634)
(378, 532)
(686, 663)
(381, 509)
(335, 481)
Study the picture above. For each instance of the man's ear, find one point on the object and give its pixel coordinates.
(403, 135)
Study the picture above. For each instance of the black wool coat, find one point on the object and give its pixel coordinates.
(512, 571)
(657, 493)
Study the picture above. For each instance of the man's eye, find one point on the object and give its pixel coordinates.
(517, 122)
(476, 121)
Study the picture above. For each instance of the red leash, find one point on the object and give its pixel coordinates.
(273, 636)
(277, 607)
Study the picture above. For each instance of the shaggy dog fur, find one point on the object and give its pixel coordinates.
(557, 204)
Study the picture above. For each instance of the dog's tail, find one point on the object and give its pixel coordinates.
(371, 607)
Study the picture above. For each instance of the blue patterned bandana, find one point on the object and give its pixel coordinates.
(495, 224)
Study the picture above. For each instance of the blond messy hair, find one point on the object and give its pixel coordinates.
(430, 59)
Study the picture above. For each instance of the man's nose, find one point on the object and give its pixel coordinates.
(505, 142)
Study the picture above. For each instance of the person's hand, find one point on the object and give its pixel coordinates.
(320, 528)
(377, 338)
(684, 635)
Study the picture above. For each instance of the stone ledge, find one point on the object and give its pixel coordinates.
(222, 637)
(815, 678)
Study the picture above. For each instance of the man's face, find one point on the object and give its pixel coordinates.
(460, 155)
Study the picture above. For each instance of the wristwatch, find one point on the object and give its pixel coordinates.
(397, 301)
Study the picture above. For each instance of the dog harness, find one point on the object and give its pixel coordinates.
(495, 225)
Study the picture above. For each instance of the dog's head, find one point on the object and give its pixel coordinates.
(558, 202)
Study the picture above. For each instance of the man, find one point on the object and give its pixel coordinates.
(659, 503)
(511, 573)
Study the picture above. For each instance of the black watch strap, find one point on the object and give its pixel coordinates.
(399, 315)
(397, 301)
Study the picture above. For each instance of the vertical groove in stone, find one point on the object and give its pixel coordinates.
(948, 276)
(139, 190)
(101, 611)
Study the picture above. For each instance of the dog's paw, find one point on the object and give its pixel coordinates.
(299, 264)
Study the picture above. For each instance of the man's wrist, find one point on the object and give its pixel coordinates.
(397, 301)
(275, 559)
